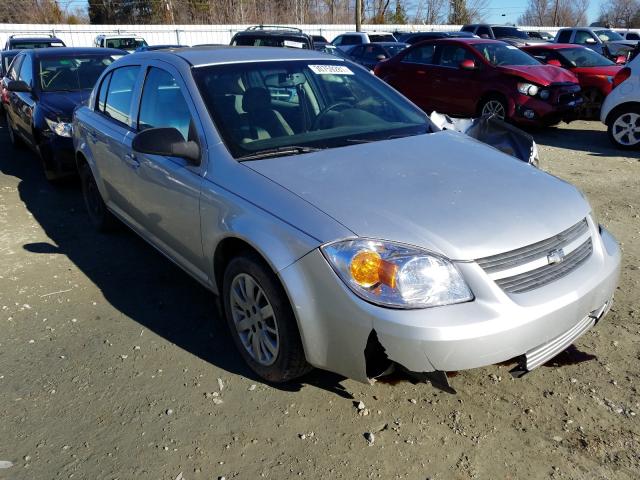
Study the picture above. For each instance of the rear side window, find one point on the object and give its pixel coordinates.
(120, 92)
(102, 94)
(371, 52)
(163, 104)
(468, 28)
(564, 36)
(423, 55)
(26, 71)
(484, 31)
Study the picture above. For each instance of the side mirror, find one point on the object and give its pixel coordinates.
(621, 59)
(18, 86)
(554, 62)
(381, 57)
(590, 41)
(468, 64)
(167, 142)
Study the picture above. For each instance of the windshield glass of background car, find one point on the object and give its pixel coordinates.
(72, 73)
(499, 54)
(373, 37)
(584, 57)
(322, 104)
(125, 43)
(270, 41)
(30, 45)
(501, 32)
(608, 35)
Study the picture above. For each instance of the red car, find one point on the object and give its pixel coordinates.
(476, 76)
(594, 71)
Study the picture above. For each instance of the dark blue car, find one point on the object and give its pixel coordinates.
(44, 87)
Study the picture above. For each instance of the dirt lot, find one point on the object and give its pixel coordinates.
(113, 365)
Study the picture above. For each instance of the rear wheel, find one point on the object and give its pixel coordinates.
(101, 218)
(624, 127)
(494, 105)
(261, 320)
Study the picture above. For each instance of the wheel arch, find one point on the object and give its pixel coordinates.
(493, 93)
(614, 111)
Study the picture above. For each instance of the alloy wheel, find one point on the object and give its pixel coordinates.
(626, 129)
(495, 108)
(254, 319)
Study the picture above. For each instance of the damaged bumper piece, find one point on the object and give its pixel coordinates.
(337, 326)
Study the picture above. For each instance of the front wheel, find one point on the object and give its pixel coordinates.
(494, 106)
(261, 320)
(624, 127)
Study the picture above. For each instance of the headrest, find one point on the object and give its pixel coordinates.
(228, 85)
(256, 99)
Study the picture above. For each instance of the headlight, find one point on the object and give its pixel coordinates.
(544, 94)
(396, 275)
(61, 129)
(528, 89)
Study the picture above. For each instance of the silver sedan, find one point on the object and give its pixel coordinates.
(339, 228)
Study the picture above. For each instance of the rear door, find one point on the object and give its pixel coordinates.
(164, 192)
(107, 134)
(414, 76)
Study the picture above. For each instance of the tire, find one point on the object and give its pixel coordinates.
(494, 104)
(99, 215)
(50, 174)
(623, 127)
(261, 320)
(16, 141)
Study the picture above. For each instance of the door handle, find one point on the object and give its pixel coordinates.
(131, 160)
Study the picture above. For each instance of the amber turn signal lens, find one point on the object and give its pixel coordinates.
(369, 269)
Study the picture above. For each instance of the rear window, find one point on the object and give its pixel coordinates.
(511, 32)
(270, 41)
(381, 37)
(125, 43)
(29, 45)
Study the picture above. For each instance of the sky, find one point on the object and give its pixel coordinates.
(512, 9)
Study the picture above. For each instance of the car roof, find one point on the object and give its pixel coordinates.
(200, 56)
(10, 52)
(465, 40)
(119, 35)
(552, 46)
(70, 51)
(34, 39)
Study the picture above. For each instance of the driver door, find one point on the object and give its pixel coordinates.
(165, 191)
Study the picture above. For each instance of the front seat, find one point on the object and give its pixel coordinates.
(260, 117)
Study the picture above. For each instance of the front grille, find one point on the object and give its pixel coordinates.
(566, 98)
(527, 268)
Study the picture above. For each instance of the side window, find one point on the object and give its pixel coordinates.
(351, 40)
(423, 55)
(565, 36)
(102, 94)
(356, 52)
(484, 32)
(453, 55)
(26, 71)
(372, 51)
(120, 93)
(633, 36)
(468, 28)
(163, 104)
(582, 36)
(337, 40)
(15, 67)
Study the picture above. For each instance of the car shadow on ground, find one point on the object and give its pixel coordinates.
(593, 142)
(134, 278)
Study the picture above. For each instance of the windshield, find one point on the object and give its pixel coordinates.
(30, 45)
(512, 32)
(381, 37)
(584, 57)
(499, 54)
(271, 41)
(72, 73)
(261, 106)
(608, 35)
(125, 43)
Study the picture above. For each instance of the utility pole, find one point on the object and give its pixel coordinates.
(358, 15)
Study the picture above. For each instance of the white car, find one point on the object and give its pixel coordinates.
(127, 42)
(349, 39)
(621, 109)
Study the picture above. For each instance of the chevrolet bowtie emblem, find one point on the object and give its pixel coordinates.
(555, 256)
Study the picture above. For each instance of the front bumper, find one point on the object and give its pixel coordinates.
(533, 111)
(335, 324)
(58, 153)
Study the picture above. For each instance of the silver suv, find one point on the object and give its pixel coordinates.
(602, 40)
(338, 228)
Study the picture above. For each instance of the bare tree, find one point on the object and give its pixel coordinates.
(430, 12)
(555, 13)
(621, 13)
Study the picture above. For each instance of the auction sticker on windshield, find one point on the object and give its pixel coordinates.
(330, 70)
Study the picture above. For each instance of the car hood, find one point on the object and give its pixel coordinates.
(442, 191)
(608, 71)
(540, 74)
(63, 103)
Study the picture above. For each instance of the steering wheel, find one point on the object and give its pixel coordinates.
(316, 123)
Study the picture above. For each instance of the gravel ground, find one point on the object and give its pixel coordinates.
(113, 365)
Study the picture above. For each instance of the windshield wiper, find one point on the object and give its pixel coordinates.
(278, 152)
(387, 137)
